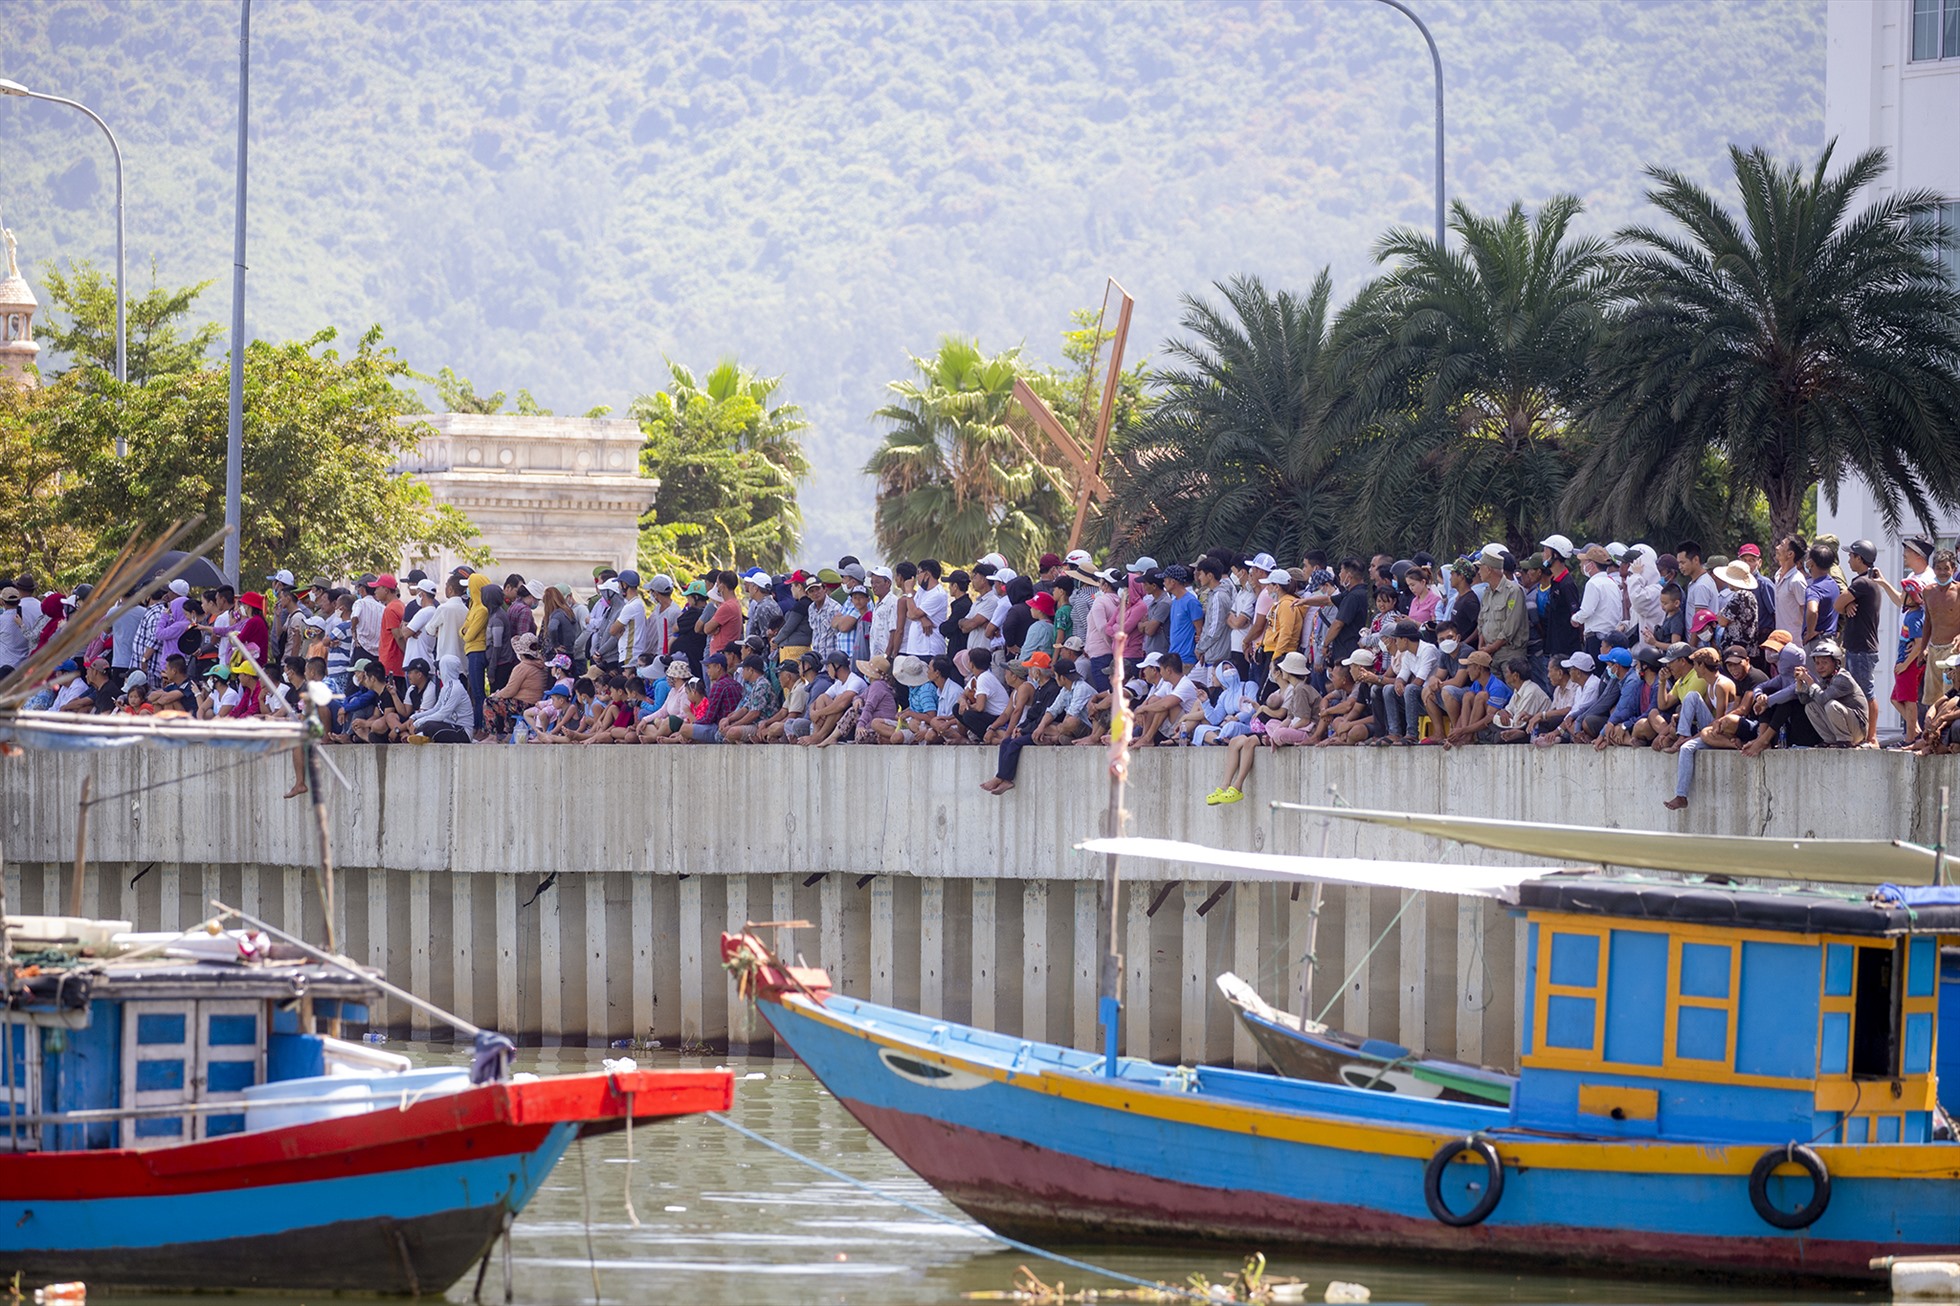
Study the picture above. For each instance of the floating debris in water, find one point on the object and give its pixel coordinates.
(1250, 1285)
(1339, 1291)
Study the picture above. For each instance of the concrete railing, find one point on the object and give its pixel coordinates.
(923, 889)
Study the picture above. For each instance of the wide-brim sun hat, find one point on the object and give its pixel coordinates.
(910, 671)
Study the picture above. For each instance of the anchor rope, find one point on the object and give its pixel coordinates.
(930, 1214)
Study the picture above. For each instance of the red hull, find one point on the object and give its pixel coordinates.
(1042, 1196)
(485, 1121)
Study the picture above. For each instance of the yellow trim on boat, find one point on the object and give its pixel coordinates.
(1865, 1161)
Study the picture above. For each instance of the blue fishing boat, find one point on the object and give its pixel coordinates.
(1714, 1079)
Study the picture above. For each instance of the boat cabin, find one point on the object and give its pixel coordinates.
(1714, 1011)
(97, 1052)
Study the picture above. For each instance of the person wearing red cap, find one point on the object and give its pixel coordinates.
(394, 635)
(254, 634)
(1040, 635)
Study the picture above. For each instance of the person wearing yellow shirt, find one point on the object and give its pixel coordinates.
(476, 648)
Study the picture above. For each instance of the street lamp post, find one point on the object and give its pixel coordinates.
(122, 330)
(1436, 59)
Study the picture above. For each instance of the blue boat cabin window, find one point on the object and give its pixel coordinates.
(1572, 1003)
(160, 1027)
(1575, 961)
(1705, 970)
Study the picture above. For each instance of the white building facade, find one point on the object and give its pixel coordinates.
(553, 496)
(1892, 80)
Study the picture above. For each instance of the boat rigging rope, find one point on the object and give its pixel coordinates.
(1379, 940)
(930, 1214)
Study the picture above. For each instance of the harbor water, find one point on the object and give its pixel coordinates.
(725, 1221)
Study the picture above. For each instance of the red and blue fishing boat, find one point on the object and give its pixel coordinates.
(178, 1121)
(1715, 1079)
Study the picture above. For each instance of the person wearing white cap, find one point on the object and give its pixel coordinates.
(1079, 558)
(885, 604)
(1586, 691)
(1254, 571)
(1558, 550)
(994, 560)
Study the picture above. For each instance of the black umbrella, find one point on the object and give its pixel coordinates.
(200, 574)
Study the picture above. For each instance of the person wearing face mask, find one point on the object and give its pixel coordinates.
(449, 719)
(1941, 601)
(1449, 673)
(1227, 715)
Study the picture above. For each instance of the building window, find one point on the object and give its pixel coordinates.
(1950, 228)
(1935, 30)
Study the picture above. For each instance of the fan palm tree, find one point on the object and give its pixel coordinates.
(953, 481)
(1807, 341)
(1466, 368)
(1234, 452)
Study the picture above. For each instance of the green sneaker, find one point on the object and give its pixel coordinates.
(1230, 796)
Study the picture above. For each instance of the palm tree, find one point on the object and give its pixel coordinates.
(729, 464)
(953, 479)
(1234, 453)
(1467, 367)
(1807, 341)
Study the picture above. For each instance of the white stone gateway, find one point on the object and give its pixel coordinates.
(553, 496)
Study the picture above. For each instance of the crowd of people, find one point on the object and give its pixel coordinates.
(1600, 645)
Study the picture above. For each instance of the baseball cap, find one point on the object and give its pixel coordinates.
(1619, 657)
(425, 586)
(1074, 644)
(1579, 662)
(1678, 651)
(1362, 657)
(1046, 561)
(994, 560)
(855, 570)
(716, 660)
(1749, 551)
(70, 665)
(1141, 565)
(1919, 544)
(695, 589)
(1558, 544)
(558, 691)
(135, 680)
(1263, 561)
(1277, 576)
(1153, 660)
(661, 584)
(9, 595)
(367, 578)
(1038, 659)
(180, 587)
(386, 580)
(1005, 574)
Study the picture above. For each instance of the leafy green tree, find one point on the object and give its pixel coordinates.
(1467, 367)
(38, 532)
(729, 463)
(1811, 339)
(321, 440)
(159, 346)
(1237, 451)
(954, 479)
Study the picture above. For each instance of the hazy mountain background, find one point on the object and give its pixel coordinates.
(555, 196)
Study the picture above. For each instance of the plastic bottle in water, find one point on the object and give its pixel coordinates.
(374, 1036)
(62, 1292)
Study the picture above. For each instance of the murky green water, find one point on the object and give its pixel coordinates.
(723, 1220)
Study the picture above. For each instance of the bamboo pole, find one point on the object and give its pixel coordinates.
(81, 847)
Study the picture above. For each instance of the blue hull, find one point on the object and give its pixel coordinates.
(1032, 1139)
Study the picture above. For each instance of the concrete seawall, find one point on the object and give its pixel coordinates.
(922, 889)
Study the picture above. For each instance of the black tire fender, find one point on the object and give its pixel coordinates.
(1820, 1180)
(1432, 1182)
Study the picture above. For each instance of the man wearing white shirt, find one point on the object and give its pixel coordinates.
(368, 612)
(420, 641)
(663, 617)
(446, 628)
(982, 621)
(928, 607)
(1413, 660)
(885, 603)
(629, 626)
(1172, 694)
(1603, 608)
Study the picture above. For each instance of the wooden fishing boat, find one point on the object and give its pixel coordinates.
(1306, 1049)
(1714, 1080)
(182, 1112)
(183, 1122)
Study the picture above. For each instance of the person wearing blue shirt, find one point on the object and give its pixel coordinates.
(1187, 613)
(1472, 712)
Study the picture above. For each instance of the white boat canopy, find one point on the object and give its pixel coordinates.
(1820, 861)
(1498, 882)
(75, 732)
